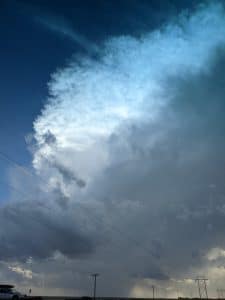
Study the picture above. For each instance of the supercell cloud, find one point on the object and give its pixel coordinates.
(129, 157)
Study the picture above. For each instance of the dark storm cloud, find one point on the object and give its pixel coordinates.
(178, 184)
(49, 138)
(68, 175)
(157, 183)
(154, 273)
(35, 230)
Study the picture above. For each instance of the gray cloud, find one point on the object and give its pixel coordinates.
(69, 175)
(176, 186)
(33, 229)
(49, 138)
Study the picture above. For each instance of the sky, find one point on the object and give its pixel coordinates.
(112, 146)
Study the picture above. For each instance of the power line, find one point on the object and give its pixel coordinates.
(14, 188)
(13, 162)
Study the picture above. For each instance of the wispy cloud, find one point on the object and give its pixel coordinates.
(61, 26)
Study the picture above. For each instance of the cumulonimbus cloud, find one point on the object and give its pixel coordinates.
(132, 143)
(89, 101)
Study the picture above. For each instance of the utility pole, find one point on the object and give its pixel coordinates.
(202, 288)
(206, 293)
(95, 275)
(153, 292)
(219, 293)
(199, 289)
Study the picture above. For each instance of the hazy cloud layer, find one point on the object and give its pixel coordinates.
(130, 152)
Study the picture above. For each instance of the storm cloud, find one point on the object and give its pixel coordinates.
(137, 149)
